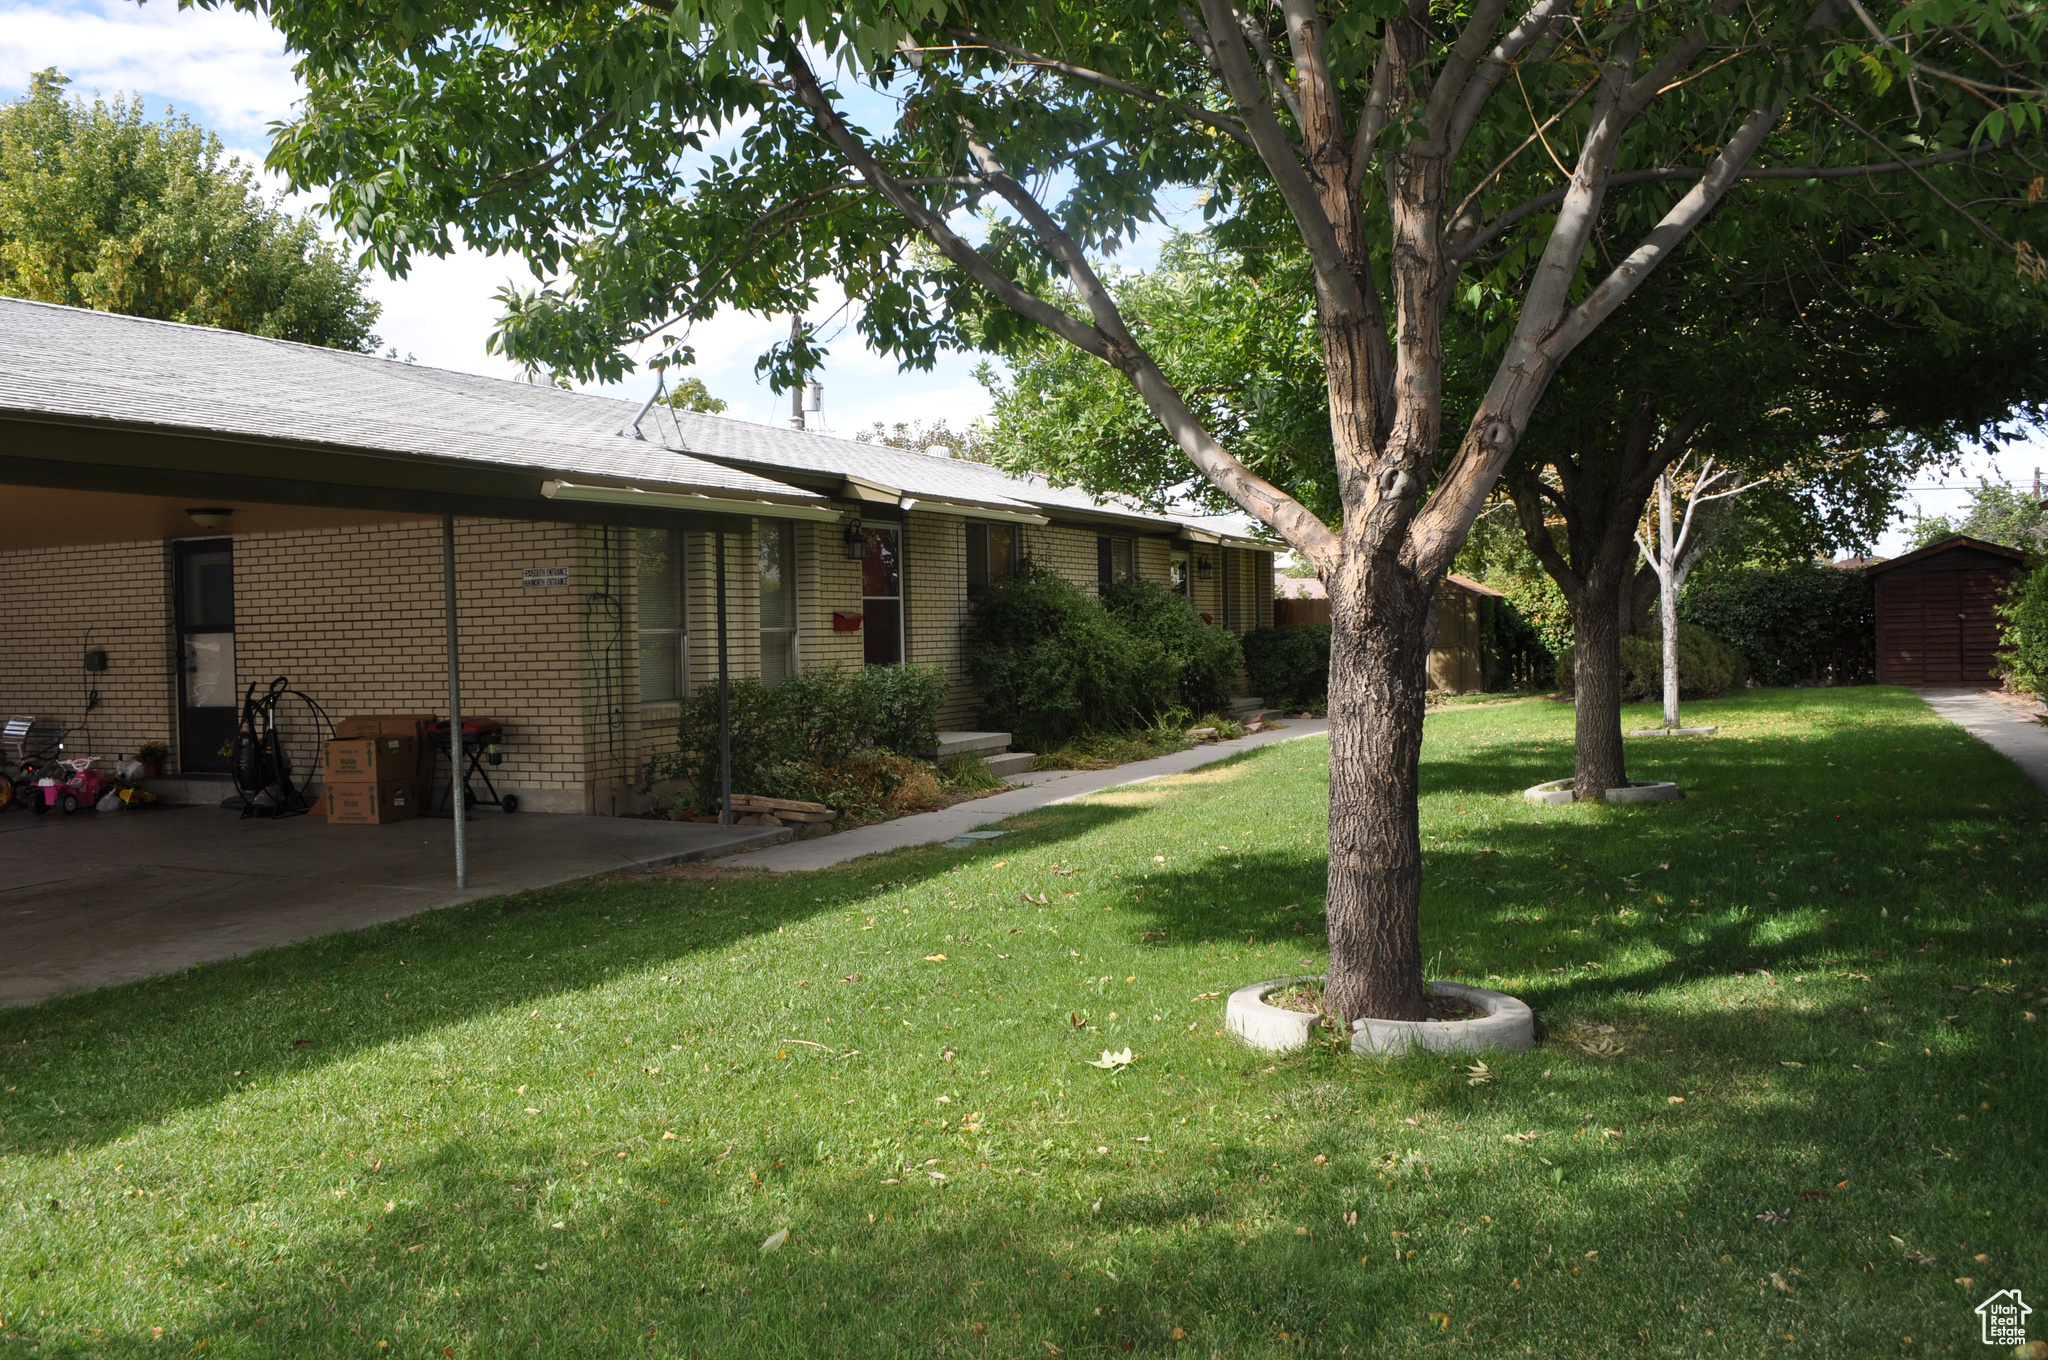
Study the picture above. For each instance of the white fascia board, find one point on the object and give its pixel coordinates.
(932, 505)
(696, 500)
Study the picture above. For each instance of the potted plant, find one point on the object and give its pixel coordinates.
(151, 754)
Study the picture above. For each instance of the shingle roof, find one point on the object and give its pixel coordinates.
(71, 364)
(98, 368)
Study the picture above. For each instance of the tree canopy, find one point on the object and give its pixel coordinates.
(102, 207)
(1999, 512)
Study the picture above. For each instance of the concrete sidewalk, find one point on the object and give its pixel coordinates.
(1041, 789)
(2005, 727)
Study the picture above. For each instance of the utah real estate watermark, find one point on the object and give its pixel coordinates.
(2004, 1316)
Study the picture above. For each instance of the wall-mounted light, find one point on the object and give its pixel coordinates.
(856, 543)
(1204, 567)
(209, 517)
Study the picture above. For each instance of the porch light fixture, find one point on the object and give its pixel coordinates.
(207, 517)
(1204, 566)
(856, 542)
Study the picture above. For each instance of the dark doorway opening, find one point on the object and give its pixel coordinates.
(203, 573)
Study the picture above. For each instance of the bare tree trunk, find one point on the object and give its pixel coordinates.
(1596, 680)
(1668, 612)
(1379, 677)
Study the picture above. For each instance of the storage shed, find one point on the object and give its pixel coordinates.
(1936, 612)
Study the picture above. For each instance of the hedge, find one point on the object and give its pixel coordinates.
(1805, 624)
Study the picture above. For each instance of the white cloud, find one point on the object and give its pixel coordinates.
(228, 69)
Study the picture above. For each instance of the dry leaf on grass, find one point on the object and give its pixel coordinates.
(776, 1240)
(1478, 1074)
(1112, 1062)
(1604, 1048)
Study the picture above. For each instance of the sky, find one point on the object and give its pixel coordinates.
(229, 71)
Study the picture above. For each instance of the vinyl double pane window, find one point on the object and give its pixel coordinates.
(663, 582)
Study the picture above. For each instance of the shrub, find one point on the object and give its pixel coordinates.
(1049, 661)
(1289, 667)
(1800, 625)
(814, 736)
(2023, 655)
(1206, 659)
(1514, 654)
(1707, 667)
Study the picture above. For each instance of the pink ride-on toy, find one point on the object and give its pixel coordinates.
(84, 786)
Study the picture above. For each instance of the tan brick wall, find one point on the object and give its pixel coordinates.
(354, 617)
(62, 601)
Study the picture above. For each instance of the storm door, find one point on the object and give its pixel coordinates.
(204, 572)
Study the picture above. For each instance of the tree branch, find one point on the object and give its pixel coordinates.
(1336, 288)
(1534, 33)
(1229, 127)
(1493, 229)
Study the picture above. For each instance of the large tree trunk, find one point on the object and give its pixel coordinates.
(1379, 676)
(1596, 682)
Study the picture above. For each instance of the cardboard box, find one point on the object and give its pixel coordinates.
(412, 725)
(385, 725)
(373, 760)
(395, 800)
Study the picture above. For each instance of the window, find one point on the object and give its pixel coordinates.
(881, 590)
(1227, 584)
(776, 542)
(1180, 575)
(1116, 560)
(992, 553)
(664, 615)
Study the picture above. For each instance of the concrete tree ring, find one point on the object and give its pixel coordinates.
(1675, 732)
(1646, 791)
(1248, 1016)
(1504, 1025)
(1559, 791)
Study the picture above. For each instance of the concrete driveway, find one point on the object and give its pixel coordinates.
(100, 898)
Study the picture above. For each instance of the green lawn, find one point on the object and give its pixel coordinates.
(1815, 1130)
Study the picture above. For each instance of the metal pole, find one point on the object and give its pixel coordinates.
(454, 705)
(724, 702)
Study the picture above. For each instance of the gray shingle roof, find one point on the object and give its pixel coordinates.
(71, 364)
(94, 367)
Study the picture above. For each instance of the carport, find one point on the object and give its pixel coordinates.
(115, 430)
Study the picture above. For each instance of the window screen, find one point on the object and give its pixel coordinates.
(992, 555)
(881, 588)
(777, 550)
(1116, 560)
(664, 615)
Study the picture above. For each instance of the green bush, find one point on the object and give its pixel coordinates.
(1513, 652)
(1707, 667)
(1049, 662)
(1805, 624)
(1206, 659)
(2023, 656)
(1289, 667)
(814, 736)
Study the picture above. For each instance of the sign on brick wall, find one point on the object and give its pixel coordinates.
(541, 577)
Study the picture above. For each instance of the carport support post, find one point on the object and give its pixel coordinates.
(454, 705)
(724, 704)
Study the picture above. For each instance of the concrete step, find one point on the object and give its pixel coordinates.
(1011, 762)
(971, 744)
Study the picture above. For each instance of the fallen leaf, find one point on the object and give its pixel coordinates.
(1778, 1283)
(1176, 1335)
(1775, 1216)
(1676, 1100)
(1605, 1048)
(935, 958)
(1784, 1063)
(1523, 1138)
(1112, 1061)
(1478, 1074)
(776, 1240)
(669, 1137)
